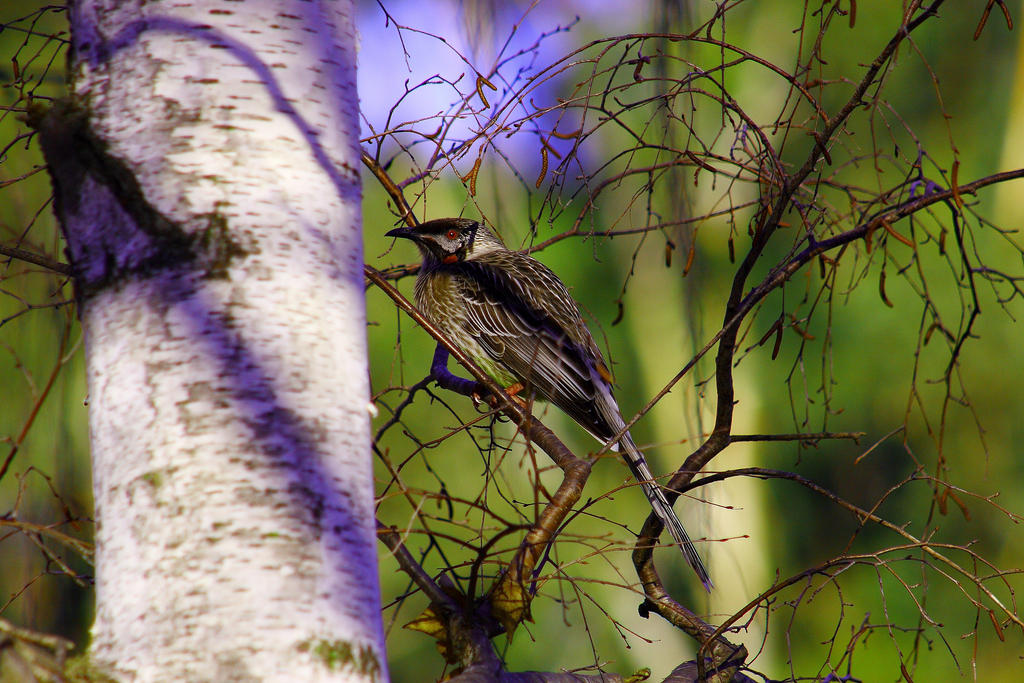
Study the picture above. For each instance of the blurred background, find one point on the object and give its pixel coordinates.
(852, 357)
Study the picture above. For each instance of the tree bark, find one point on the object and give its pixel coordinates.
(205, 172)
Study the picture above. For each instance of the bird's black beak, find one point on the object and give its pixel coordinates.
(407, 233)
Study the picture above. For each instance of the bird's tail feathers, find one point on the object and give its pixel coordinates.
(635, 459)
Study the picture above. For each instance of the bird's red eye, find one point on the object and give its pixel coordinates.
(452, 234)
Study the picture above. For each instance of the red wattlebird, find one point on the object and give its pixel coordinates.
(518, 322)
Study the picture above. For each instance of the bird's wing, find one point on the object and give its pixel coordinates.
(531, 325)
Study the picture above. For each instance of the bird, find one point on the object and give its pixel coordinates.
(518, 322)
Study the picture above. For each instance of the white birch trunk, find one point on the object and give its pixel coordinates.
(212, 214)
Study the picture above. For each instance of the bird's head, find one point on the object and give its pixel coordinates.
(450, 240)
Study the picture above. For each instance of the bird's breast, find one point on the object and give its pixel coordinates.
(439, 297)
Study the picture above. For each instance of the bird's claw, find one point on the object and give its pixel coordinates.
(478, 394)
(481, 394)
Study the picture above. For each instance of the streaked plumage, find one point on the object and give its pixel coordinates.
(517, 320)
